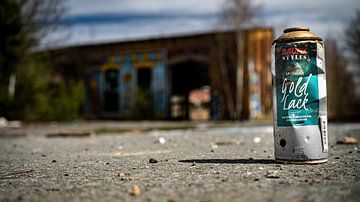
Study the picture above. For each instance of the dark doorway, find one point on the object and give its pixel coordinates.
(185, 77)
(144, 102)
(144, 78)
(111, 91)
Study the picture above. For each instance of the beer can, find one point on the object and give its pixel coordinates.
(299, 97)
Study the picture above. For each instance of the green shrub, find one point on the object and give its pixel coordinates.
(61, 101)
(42, 95)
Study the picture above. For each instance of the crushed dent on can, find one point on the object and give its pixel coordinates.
(299, 97)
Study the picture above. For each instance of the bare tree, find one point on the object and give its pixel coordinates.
(352, 33)
(40, 18)
(353, 37)
(226, 55)
(235, 15)
(340, 85)
(23, 24)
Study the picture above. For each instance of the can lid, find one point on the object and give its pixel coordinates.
(293, 29)
(297, 34)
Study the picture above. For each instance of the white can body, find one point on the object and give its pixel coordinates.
(299, 101)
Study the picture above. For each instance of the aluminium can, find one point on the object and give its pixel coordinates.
(299, 97)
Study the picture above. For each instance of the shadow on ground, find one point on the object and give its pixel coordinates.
(230, 161)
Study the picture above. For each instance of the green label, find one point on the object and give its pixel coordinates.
(296, 83)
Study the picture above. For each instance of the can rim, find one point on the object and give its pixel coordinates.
(300, 33)
(310, 161)
(293, 29)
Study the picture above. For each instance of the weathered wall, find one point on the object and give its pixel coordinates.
(218, 52)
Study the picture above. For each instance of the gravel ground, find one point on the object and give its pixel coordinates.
(206, 162)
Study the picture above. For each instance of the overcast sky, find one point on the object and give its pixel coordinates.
(95, 21)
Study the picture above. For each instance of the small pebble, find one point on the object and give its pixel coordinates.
(272, 174)
(347, 140)
(66, 174)
(135, 191)
(53, 161)
(107, 163)
(127, 178)
(153, 160)
(162, 140)
(120, 174)
(214, 146)
(257, 139)
(212, 150)
(336, 157)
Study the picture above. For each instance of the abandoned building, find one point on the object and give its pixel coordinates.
(209, 76)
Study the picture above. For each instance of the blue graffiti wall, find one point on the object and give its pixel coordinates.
(127, 67)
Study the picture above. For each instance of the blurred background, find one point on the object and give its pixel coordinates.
(170, 60)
